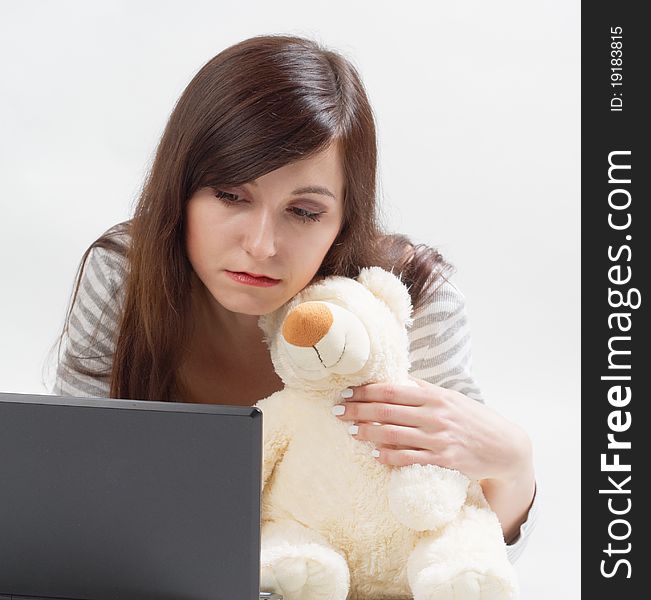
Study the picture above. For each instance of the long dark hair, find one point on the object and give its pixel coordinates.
(255, 107)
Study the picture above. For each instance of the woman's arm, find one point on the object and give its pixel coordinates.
(444, 420)
(88, 345)
(512, 495)
(441, 355)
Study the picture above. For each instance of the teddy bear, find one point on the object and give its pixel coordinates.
(336, 523)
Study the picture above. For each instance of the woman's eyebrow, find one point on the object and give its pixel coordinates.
(314, 189)
(308, 189)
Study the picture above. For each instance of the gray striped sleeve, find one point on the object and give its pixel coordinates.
(93, 327)
(440, 353)
(439, 343)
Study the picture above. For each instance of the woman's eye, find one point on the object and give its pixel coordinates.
(306, 215)
(303, 214)
(227, 197)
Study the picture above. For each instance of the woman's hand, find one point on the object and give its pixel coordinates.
(430, 424)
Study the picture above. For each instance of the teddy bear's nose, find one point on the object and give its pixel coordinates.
(306, 324)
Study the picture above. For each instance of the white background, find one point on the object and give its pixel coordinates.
(477, 107)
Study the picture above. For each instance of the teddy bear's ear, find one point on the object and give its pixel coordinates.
(269, 324)
(388, 288)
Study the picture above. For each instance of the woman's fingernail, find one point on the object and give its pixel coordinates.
(338, 410)
(375, 453)
(353, 429)
(347, 393)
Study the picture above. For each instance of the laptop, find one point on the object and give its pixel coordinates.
(104, 499)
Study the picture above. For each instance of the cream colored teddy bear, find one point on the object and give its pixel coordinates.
(336, 523)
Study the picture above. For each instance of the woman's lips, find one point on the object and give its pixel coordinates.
(249, 279)
(257, 275)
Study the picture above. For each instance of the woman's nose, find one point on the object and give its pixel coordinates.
(259, 236)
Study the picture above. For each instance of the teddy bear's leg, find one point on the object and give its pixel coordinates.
(466, 560)
(300, 564)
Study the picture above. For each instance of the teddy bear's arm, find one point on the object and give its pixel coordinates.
(424, 497)
(275, 444)
(275, 434)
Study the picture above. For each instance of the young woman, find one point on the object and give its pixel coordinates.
(265, 179)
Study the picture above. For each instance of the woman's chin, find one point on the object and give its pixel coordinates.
(252, 308)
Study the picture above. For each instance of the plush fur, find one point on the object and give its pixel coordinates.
(337, 524)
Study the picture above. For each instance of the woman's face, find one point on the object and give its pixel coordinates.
(281, 226)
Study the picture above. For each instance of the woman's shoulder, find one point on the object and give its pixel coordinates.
(92, 327)
(439, 341)
(440, 319)
(440, 324)
(110, 250)
(107, 265)
(114, 243)
(446, 301)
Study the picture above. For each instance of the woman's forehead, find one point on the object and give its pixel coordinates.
(320, 174)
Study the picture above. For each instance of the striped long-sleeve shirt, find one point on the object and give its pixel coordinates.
(439, 352)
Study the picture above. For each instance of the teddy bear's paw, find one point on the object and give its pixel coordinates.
(301, 577)
(465, 585)
(426, 497)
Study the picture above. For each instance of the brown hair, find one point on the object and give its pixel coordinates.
(255, 107)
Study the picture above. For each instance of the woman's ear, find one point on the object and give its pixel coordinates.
(390, 289)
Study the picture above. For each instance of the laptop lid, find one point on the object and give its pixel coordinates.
(104, 499)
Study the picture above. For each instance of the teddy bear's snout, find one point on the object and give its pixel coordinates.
(321, 338)
(307, 324)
